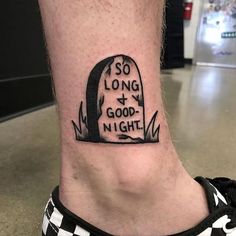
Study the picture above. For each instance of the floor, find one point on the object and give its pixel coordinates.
(201, 110)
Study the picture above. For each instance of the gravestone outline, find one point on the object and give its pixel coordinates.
(93, 104)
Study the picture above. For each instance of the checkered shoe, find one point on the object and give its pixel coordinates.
(221, 197)
(54, 223)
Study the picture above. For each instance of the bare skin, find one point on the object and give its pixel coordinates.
(129, 189)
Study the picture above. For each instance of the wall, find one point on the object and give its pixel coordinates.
(190, 30)
(173, 44)
(25, 82)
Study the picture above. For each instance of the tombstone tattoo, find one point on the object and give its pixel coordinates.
(115, 111)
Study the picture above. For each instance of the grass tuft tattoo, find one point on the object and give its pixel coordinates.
(115, 111)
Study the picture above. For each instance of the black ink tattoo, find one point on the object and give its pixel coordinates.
(115, 110)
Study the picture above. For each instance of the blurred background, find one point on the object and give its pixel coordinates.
(199, 83)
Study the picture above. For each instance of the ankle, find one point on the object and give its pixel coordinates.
(134, 170)
(134, 174)
(175, 201)
(138, 173)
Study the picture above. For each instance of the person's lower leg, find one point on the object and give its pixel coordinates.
(119, 169)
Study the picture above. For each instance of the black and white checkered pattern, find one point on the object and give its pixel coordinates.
(55, 224)
(220, 201)
(219, 228)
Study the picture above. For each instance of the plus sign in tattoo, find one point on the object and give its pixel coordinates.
(114, 111)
